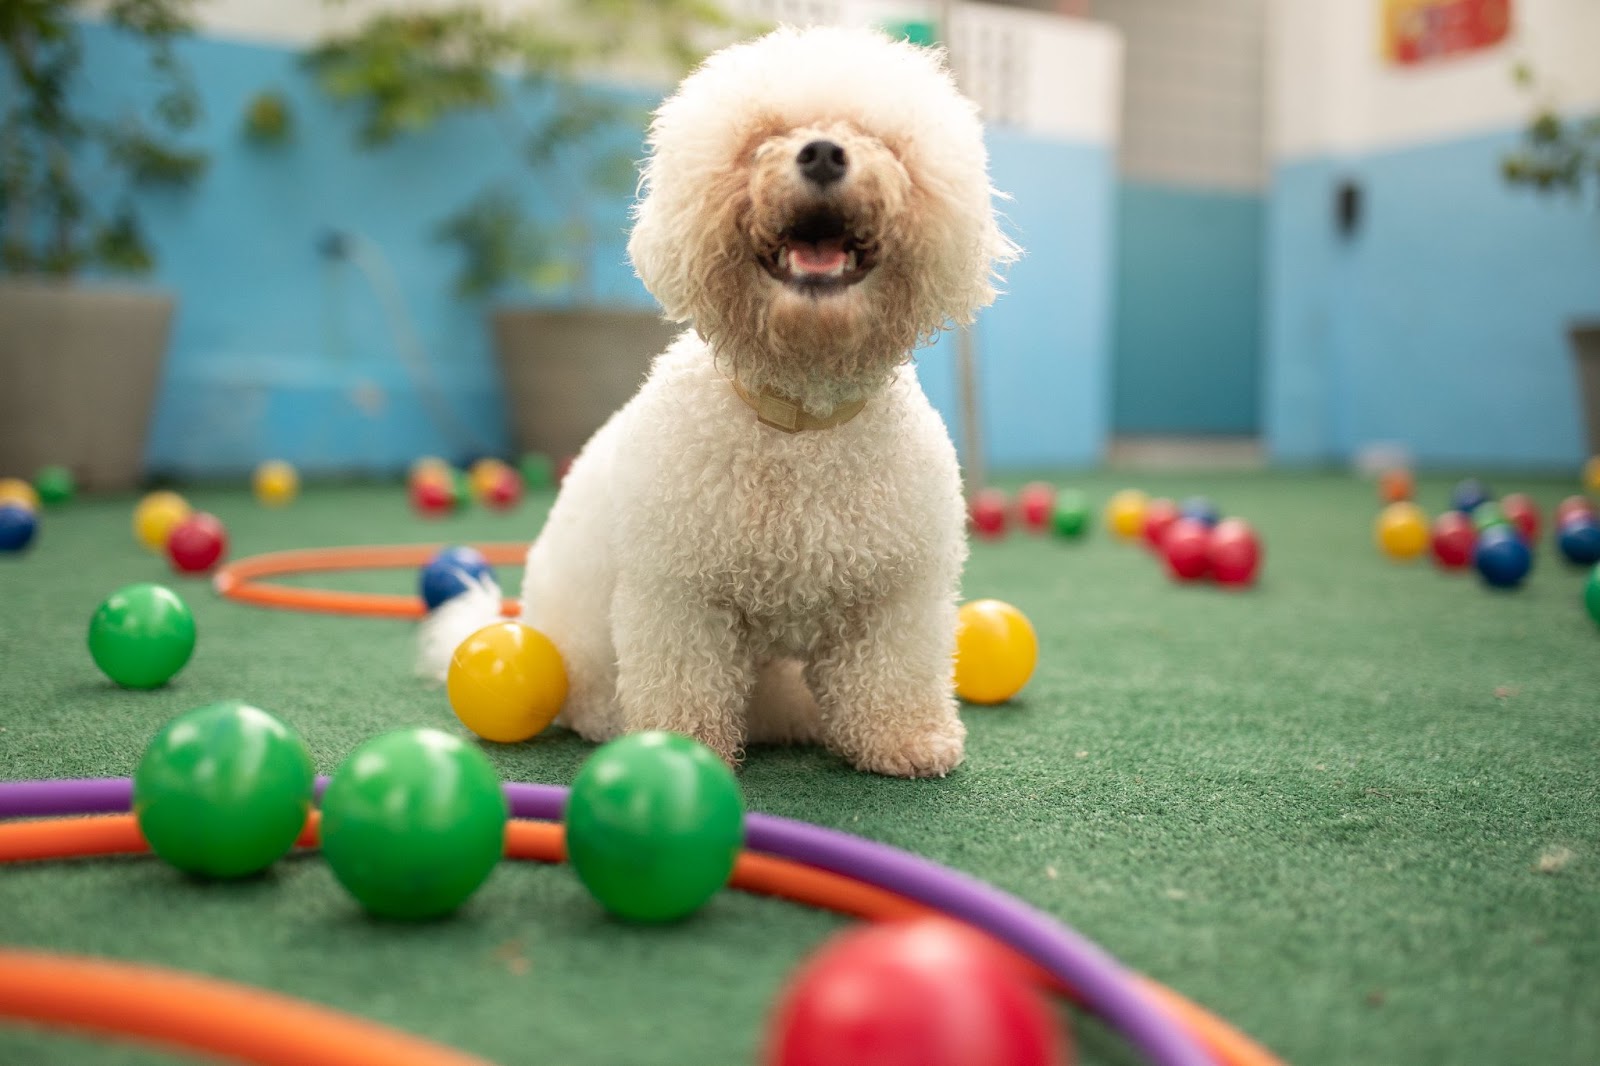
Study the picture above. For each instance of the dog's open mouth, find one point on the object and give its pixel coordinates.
(819, 252)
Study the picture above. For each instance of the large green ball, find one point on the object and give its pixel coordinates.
(654, 825)
(1071, 517)
(1591, 595)
(223, 791)
(538, 470)
(413, 823)
(141, 635)
(55, 484)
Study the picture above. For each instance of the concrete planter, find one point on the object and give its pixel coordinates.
(79, 367)
(1586, 351)
(566, 371)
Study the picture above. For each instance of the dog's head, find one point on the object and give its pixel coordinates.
(817, 202)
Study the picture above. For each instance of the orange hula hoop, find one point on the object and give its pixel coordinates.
(60, 838)
(242, 579)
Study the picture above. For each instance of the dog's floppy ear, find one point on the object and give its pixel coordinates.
(659, 256)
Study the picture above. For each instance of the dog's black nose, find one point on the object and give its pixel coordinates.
(822, 163)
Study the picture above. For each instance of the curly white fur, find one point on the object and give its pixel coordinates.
(706, 573)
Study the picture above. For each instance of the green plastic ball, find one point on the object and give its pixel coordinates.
(1071, 517)
(413, 823)
(142, 635)
(538, 470)
(55, 484)
(224, 790)
(1591, 595)
(654, 825)
(1487, 515)
(461, 486)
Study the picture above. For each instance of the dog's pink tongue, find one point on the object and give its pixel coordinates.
(823, 257)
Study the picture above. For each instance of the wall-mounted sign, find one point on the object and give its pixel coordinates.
(1420, 31)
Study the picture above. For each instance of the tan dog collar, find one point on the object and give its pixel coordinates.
(789, 416)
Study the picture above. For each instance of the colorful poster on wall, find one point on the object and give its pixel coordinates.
(1421, 31)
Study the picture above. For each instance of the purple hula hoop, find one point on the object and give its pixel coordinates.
(1105, 987)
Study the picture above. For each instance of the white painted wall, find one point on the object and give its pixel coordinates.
(1330, 91)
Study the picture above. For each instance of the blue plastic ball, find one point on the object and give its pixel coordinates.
(451, 572)
(1469, 495)
(1502, 557)
(1201, 510)
(17, 526)
(1579, 540)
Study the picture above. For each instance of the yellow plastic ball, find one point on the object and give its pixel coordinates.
(156, 516)
(1125, 513)
(506, 682)
(1402, 530)
(996, 651)
(1591, 474)
(484, 474)
(276, 483)
(428, 466)
(16, 490)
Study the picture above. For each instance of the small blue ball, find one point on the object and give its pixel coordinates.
(1502, 557)
(1201, 510)
(1470, 495)
(1579, 540)
(450, 573)
(17, 527)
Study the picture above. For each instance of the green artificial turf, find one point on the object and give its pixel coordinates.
(1356, 810)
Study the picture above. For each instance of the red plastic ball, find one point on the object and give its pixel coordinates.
(1523, 513)
(197, 543)
(1573, 505)
(1234, 552)
(1187, 549)
(987, 513)
(1454, 537)
(927, 992)
(432, 496)
(563, 468)
(1036, 504)
(505, 492)
(1159, 515)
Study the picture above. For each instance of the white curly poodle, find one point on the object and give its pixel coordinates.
(765, 543)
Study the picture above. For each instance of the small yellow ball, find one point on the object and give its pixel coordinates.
(506, 682)
(484, 474)
(16, 490)
(1125, 513)
(1402, 530)
(428, 466)
(996, 651)
(1591, 474)
(156, 516)
(276, 483)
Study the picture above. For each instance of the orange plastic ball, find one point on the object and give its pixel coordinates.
(996, 651)
(1397, 486)
(1402, 531)
(506, 682)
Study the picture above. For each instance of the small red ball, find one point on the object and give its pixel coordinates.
(1573, 505)
(197, 543)
(432, 496)
(928, 992)
(987, 513)
(1186, 548)
(563, 468)
(1453, 537)
(1523, 513)
(1159, 515)
(1234, 552)
(505, 492)
(1036, 504)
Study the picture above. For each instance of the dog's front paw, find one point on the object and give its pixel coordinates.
(931, 750)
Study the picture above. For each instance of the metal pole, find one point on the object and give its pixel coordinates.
(966, 352)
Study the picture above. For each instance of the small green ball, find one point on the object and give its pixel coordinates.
(1071, 517)
(538, 470)
(1487, 515)
(224, 790)
(55, 484)
(461, 486)
(1591, 595)
(654, 825)
(413, 823)
(142, 635)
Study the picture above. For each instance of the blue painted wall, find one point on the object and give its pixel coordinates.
(280, 353)
(1441, 325)
(1187, 349)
